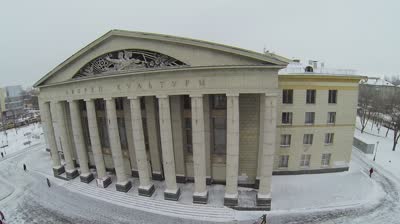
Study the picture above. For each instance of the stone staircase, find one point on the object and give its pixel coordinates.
(163, 207)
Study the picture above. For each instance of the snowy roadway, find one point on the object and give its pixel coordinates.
(29, 200)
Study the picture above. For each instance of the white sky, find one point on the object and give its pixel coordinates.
(364, 35)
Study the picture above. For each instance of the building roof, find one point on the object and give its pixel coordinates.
(377, 82)
(266, 57)
(298, 68)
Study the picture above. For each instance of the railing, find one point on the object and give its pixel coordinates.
(300, 70)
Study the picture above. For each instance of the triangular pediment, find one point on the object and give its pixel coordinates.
(126, 51)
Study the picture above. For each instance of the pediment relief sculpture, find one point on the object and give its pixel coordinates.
(127, 60)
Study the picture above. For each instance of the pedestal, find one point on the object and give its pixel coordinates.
(264, 201)
(71, 174)
(103, 182)
(58, 170)
(124, 186)
(146, 190)
(200, 198)
(172, 195)
(231, 200)
(86, 177)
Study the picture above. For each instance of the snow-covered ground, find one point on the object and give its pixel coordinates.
(331, 198)
(385, 157)
(16, 139)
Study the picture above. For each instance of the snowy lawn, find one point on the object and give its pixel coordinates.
(385, 157)
(17, 138)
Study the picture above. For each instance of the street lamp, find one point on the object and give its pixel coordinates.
(377, 143)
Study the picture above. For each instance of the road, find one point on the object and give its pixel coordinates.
(32, 201)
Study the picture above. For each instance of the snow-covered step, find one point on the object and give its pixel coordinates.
(170, 208)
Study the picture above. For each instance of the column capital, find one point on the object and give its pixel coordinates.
(133, 97)
(196, 95)
(271, 94)
(72, 100)
(88, 99)
(108, 98)
(162, 96)
(232, 94)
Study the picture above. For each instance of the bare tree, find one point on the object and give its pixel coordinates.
(394, 103)
(365, 107)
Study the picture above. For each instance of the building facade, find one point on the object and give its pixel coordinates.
(11, 103)
(179, 110)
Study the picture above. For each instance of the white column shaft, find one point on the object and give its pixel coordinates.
(129, 135)
(63, 136)
(138, 139)
(167, 144)
(95, 139)
(232, 146)
(48, 130)
(78, 136)
(199, 148)
(115, 142)
(268, 145)
(152, 131)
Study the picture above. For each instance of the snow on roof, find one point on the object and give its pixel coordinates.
(299, 68)
(378, 82)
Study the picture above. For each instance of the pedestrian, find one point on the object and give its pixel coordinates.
(48, 182)
(2, 218)
(370, 172)
(2, 155)
(24, 167)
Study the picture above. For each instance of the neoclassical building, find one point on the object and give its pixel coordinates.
(165, 108)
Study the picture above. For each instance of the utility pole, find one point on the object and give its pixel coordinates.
(376, 149)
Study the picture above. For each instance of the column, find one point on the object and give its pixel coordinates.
(131, 146)
(146, 188)
(76, 121)
(200, 194)
(102, 179)
(177, 134)
(123, 184)
(260, 139)
(153, 137)
(172, 192)
(207, 132)
(264, 192)
(232, 149)
(64, 142)
(48, 130)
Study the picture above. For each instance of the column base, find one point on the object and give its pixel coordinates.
(200, 198)
(146, 190)
(231, 200)
(181, 179)
(86, 177)
(263, 201)
(172, 195)
(124, 186)
(71, 174)
(135, 173)
(103, 182)
(58, 170)
(157, 176)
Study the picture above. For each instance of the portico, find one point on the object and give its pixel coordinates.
(164, 114)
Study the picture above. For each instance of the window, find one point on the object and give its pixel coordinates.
(187, 102)
(287, 96)
(310, 98)
(329, 138)
(219, 124)
(332, 96)
(219, 101)
(285, 140)
(283, 161)
(326, 157)
(305, 160)
(188, 130)
(310, 116)
(331, 117)
(287, 117)
(308, 139)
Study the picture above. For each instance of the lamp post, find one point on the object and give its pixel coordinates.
(376, 149)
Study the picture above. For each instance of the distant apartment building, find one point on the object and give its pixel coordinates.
(11, 102)
(378, 86)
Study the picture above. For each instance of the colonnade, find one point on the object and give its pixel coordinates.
(53, 113)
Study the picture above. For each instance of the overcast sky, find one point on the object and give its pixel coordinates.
(364, 35)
